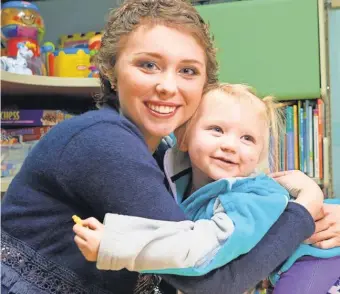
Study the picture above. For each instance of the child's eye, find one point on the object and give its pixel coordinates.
(188, 71)
(216, 129)
(249, 138)
(148, 65)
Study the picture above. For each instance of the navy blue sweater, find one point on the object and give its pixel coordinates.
(96, 163)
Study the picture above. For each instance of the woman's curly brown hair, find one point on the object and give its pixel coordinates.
(133, 13)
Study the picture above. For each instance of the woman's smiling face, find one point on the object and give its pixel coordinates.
(161, 73)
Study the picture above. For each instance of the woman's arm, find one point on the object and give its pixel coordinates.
(193, 248)
(108, 168)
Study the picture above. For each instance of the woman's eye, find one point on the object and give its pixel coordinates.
(188, 71)
(249, 138)
(148, 65)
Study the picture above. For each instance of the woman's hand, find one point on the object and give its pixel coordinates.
(327, 228)
(303, 188)
(88, 237)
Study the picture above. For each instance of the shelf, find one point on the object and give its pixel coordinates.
(15, 84)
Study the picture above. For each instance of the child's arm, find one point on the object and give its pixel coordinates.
(139, 244)
(192, 249)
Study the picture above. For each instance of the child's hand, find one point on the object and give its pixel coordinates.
(88, 236)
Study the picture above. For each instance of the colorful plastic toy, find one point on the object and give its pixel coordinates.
(21, 22)
(94, 45)
(94, 72)
(78, 40)
(19, 65)
(47, 50)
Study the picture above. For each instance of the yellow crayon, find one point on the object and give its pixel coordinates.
(77, 220)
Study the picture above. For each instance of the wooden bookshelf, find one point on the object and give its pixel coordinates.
(15, 84)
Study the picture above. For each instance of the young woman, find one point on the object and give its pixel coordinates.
(155, 60)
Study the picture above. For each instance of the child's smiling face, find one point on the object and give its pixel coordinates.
(227, 137)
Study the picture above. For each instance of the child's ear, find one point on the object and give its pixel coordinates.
(181, 134)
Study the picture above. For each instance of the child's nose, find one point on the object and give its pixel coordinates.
(229, 144)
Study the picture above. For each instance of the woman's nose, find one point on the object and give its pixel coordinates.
(167, 85)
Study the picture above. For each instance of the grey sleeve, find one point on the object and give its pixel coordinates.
(139, 244)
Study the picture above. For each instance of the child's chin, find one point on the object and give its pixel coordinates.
(226, 176)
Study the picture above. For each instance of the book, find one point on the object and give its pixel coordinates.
(290, 138)
(302, 146)
(320, 106)
(301, 138)
(311, 142)
(36, 117)
(296, 136)
(316, 143)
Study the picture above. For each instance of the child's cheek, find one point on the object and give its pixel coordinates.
(253, 159)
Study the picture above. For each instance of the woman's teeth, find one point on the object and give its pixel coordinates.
(161, 109)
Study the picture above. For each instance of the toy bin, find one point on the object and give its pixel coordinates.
(71, 62)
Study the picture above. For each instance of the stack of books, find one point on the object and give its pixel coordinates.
(301, 146)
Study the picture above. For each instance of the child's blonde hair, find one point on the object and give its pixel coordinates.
(272, 114)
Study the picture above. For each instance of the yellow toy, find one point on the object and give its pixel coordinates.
(71, 62)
